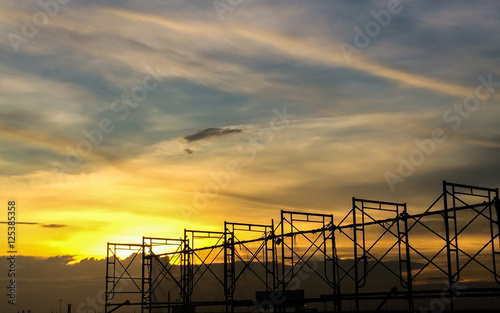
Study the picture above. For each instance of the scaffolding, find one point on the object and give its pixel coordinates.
(379, 256)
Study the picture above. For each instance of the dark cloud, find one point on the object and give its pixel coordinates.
(43, 225)
(73, 283)
(211, 132)
(54, 225)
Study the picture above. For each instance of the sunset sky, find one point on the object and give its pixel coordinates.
(123, 119)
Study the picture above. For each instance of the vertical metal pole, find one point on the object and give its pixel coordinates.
(274, 265)
(229, 266)
(266, 257)
(455, 276)
(326, 259)
(497, 222)
(187, 279)
(106, 294)
(408, 260)
(143, 276)
(226, 282)
(270, 259)
(169, 310)
(283, 267)
(337, 305)
(273, 254)
(448, 243)
(337, 277)
(292, 249)
(494, 211)
(355, 239)
(184, 270)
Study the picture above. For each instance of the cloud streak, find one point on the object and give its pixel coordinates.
(304, 50)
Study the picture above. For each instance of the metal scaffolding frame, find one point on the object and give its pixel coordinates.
(277, 262)
(395, 226)
(261, 253)
(200, 260)
(320, 242)
(154, 252)
(119, 274)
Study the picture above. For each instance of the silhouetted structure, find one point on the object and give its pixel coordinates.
(307, 259)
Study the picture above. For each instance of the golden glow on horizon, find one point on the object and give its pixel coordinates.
(77, 218)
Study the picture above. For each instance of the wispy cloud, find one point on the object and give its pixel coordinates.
(303, 49)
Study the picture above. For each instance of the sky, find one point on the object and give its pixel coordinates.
(123, 119)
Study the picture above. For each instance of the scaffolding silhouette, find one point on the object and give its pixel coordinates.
(379, 256)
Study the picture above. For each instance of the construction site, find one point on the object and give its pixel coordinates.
(381, 256)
